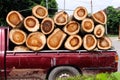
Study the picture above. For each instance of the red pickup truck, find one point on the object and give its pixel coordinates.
(50, 64)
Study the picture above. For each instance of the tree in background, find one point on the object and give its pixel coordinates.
(52, 6)
(24, 7)
(113, 21)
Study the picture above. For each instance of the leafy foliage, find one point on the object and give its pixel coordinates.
(100, 76)
(113, 20)
(23, 6)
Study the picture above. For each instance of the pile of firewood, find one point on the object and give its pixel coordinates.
(76, 32)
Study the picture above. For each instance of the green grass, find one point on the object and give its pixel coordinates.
(100, 76)
(109, 35)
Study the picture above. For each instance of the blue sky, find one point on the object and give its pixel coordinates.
(97, 4)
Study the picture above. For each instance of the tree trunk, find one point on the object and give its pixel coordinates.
(104, 43)
(61, 18)
(89, 42)
(72, 28)
(119, 33)
(87, 25)
(73, 42)
(17, 36)
(31, 23)
(47, 25)
(39, 12)
(80, 13)
(21, 48)
(55, 40)
(100, 17)
(99, 31)
(14, 19)
(36, 41)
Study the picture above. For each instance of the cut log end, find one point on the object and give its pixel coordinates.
(80, 13)
(36, 41)
(100, 17)
(61, 18)
(39, 11)
(87, 25)
(89, 42)
(47, 25)
(55, 40)
(99, 31)
(73, 42)
(14, 19)
(17, 36)
(72, 28)
(31, 23)
(104, 43)
(21, 48)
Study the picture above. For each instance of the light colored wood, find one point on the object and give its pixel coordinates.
(104, 43)
(73, 42)
(21, 48)
(61, 18)
(99, 31)
(100, 17)
(14, 19)
(87, 25)
(17, 36)
(39, 11)
(47, 25)
(36, 41)
(89, 42)
(55, 40)
(72, 28)
(80, 13)
(31, 23)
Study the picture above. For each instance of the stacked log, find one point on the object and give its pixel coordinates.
(47, 25)
(39, 11)
(61, 18)
(55, 40)
(17, 36)
(36, 41)
(31, 23)
(73, 42)
(14, 19)
(39, 31)
(72, 28)
(89, 42)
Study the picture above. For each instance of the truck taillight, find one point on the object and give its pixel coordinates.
(116, 58)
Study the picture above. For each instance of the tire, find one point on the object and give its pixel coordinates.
(62, 72)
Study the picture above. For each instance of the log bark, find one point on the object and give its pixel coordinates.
(21, 48)
(55, 40)
(104, 43)
(31, 23)
(39, 11)
(17, 36)
(99, 31)
(47, 25)
(73, 42)
(87, 25)
(36, 41)
(100, 17)
(89, 42)
(14, 19)
(72, 28)
(80, 13)
(61, 18)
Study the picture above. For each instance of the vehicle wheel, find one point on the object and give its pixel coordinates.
(62, 72)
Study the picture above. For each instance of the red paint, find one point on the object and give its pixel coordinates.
(84, 60)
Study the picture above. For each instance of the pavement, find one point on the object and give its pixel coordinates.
(116, 45)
